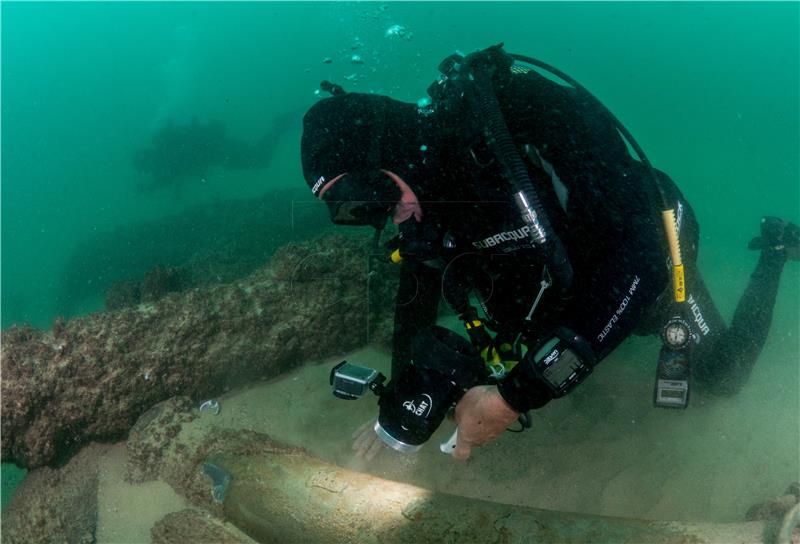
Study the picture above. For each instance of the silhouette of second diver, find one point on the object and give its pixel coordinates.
(184, 152)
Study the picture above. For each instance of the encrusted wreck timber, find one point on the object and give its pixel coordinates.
(90, 378)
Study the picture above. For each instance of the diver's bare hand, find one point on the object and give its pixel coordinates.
(366, 441)
(482, 415)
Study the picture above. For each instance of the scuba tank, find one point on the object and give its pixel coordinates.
(470, 79)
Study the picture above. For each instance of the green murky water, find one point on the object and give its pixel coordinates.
(710, 90)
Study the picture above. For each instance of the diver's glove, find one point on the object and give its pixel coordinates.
(778, 235)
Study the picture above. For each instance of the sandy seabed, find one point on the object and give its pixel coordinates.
(602, 450)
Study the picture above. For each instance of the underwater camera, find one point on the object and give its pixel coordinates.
(415, 402)
(351, 381)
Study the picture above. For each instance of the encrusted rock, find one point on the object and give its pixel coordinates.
(195, 526)
(215, 242)
(776, 508)
(152, 437)
(91, 378)
(157, 283)
(56, 505)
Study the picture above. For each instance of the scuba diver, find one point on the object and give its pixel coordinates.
(516, 187)
(180, 152)
(184, 152)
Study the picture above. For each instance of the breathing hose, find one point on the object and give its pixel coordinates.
(499, 140)
(667, 213)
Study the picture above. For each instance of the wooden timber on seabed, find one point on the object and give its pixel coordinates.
(280, 495)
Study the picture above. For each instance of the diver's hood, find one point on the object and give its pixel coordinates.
(347, 140)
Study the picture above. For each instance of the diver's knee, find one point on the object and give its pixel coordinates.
(719, 386)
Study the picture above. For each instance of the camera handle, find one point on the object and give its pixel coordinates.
(449, 446)
(377, 386)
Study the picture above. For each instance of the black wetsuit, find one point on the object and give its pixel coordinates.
(602, 202)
